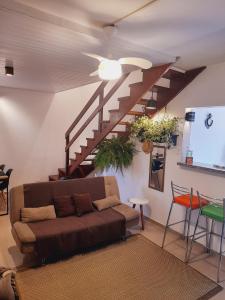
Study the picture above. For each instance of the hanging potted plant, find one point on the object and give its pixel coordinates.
(149, 131)
(117, 153)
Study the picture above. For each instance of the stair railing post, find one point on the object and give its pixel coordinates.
(67, 155)
(100, 119)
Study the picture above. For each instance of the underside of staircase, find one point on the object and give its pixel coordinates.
(82, 163)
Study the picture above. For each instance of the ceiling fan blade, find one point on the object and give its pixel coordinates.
(95, 73)
(137, 61)
(96, 56)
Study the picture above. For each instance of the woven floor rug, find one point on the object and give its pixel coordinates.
(136, 269)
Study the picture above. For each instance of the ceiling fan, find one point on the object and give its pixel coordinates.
(110, 69)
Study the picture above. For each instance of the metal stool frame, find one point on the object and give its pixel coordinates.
(179, 191)
(208, 234)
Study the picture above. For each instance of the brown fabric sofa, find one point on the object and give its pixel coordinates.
(43, 193)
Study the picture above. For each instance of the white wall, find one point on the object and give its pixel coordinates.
(32, 129)
(207, 89)
(33, 126)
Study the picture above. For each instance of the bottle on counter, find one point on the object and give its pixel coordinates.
(189, 157)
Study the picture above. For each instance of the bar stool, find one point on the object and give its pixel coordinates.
(184, 197)
(215, 211)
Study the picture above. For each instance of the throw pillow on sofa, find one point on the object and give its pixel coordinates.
(106, 202)
(34, 214)
(83, 203)
(64, 206)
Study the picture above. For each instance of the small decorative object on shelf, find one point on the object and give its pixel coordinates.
(189, 157)
(190, 116)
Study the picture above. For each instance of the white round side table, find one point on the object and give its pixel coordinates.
(140, 202)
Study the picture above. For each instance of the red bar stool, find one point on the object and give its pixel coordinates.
(184, 197)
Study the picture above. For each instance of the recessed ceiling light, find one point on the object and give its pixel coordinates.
(9, 71)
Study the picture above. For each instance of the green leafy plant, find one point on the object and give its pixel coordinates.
(117, 153)
(156, 131)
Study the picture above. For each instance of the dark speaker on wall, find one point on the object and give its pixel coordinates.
(190, 116)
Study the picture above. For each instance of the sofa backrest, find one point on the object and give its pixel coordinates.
(42, 193)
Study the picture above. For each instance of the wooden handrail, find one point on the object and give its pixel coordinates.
(96, 111)
(86, 107)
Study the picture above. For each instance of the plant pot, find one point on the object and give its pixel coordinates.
(147, 147)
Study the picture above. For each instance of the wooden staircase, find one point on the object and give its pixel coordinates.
(83, 162)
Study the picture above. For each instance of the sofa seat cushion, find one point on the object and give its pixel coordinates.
(24, 233)
(129, 213)
(65, 236)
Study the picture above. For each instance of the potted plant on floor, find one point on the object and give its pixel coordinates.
(149, 131)
(117, 152)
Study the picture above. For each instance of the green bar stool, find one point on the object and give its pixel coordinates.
(214, 211)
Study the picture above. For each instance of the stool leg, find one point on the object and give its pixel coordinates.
(192, 240)
(210, 235)
(7, 201)
(167, 225)
(220, 257)
(207, 234)
(142, 217)
(185, 223)
(189, 221)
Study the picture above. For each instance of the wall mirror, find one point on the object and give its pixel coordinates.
(157, 168)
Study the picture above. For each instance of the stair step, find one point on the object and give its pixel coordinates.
(136, 84)
(174, 74)
(83, 148)
(90, 139)
(124, 123)
(62, 171)
(53, 177)
(118, 131)
(77, 154)
(113, 110)
(126, 98)
(135, 113)
(158, 88)
(88, 159)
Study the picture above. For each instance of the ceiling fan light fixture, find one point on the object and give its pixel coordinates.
(109, 69)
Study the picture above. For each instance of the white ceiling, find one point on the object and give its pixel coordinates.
(45, 38)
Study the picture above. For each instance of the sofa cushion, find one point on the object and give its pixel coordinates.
(64, 206)
(34, 214)
(128, 212)
(24, 233)
(106, 202)
(83, 203)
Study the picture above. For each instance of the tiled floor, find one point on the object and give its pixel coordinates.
(11, 257)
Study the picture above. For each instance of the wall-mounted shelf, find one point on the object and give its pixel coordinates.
(203, 168)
